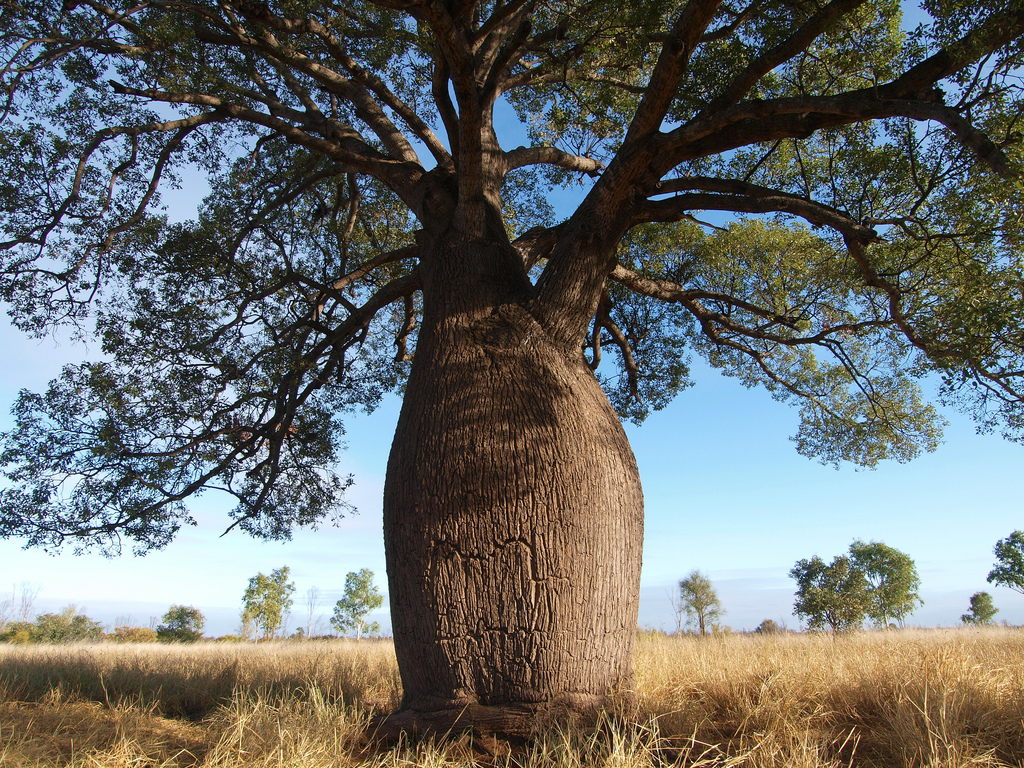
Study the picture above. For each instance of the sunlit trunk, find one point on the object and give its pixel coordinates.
(513, 520)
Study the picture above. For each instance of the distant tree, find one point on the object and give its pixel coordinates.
(246, 627)
(892, 581)
(768, 627)
(677, 608)
(1009, 569)
(182, 623)
(982, 609)
(833, 596)
(312, 603)
(19, 632)
(699, 601)
(360, 597)
(266, 601)
(68, 626)
(18, 605)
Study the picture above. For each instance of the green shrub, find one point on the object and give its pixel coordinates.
(68, 626)
(19, 632)
(768, 627)
(182, 624)
(134, 635)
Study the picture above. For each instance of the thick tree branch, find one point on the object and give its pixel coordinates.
(910, 95)
(541, 75)
(338, 141)
(522, 156)
(784, 51)
(361, 78)
(672, 62)
(744, 197)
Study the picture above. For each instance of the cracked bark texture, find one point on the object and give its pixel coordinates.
(513, 513)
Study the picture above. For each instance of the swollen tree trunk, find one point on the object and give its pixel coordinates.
(513, 514)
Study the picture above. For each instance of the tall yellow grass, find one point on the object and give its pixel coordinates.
(934, 698)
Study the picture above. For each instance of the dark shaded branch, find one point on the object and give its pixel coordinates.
(675, 55)
(408, 326)
(744, 197)
(369, 83)
(910, 95)
(536, 244)
(338, 141)
(626, 351)
(740, 18)
(784, 51)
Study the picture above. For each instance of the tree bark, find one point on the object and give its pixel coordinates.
(513, 514)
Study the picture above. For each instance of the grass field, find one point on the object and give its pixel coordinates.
(912, 698)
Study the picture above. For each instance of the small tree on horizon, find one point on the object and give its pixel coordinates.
(892, 581)
(266, 601)
(1009, 567)
(699, 601)
(360, 598)
(68, 626)
(833, 596)
(769, 627)
(312, 603)
(182, 623)
(982, 610)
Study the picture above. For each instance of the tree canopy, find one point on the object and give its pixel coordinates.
(821, 198)
(833, 595)
(892, 581)
(698, 599)
(982, 610)
(1009, 568)
(182, 623)
(267, 601)
(360, 597)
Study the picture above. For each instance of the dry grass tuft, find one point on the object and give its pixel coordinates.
(918, 699)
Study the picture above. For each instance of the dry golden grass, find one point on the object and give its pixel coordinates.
(932, 698)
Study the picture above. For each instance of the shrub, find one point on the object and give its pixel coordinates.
(68, 626)
(768, 627)
(134, 635)
(19, 632)
(182, 624)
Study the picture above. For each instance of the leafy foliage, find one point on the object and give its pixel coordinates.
(873, 581)
(129, 634)
(1009, 568)
(833, 595)
(813, 197)
(769, 627)
(68, 626)
(699, 601)
(360, 598)
(182, 623)
(892, 581)
(267, 601)
(982, 611)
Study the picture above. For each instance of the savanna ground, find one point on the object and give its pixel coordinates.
(911, 698)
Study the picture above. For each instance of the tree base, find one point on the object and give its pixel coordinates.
(515, 723)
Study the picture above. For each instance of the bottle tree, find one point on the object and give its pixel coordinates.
(822, 198)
